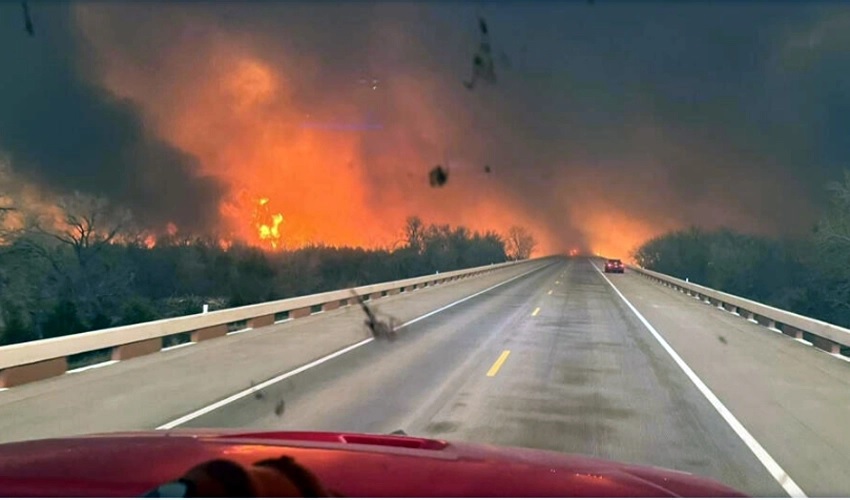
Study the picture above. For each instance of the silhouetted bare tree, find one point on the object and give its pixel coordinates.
(519, 243)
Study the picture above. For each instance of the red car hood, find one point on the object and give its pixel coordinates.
(355, 465)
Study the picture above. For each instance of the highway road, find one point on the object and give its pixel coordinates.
(552, 361)
(550, 355)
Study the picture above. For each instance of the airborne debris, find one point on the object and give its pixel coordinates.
(399, 432)
(722, 339)
(258, 394)
(279, 408)
(27, 19)
(487, 169)
(438, 176)
(381, 330)
(482, 62)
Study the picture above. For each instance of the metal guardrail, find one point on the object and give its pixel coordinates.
(823, 335)
(36, 360)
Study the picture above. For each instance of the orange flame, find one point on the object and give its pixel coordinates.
(222, 100)
(268, 224)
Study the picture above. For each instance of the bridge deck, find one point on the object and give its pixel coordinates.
(574, 370)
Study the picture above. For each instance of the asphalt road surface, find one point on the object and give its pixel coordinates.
(546, 354)
(552, 361)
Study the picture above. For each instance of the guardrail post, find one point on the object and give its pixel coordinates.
(826, 344)
(299, 313)
(330, 306)
(17, 375)
(261, 321)
(792, 332)
(209, 332)
(136, 349)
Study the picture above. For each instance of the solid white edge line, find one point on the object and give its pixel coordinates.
(239, 395)
(90, 367)
(236, 332)
(177, 346)
(839, 356)
(758, 450)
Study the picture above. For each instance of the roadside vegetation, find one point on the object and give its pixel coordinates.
(808, 275)
(92, 271)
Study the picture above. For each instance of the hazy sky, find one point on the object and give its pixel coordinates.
(608, 122)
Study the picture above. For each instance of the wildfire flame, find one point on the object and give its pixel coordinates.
(268, 224)
(220, 98)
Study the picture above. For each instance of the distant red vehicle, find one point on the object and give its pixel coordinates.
(614, 266)
(350, 465)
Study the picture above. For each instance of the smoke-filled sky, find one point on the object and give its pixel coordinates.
(608, 123)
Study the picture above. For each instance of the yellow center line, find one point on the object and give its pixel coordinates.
(536, 312)
(498, 364)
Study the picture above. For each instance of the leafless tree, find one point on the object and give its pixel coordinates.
(414, 234)
(87, 224)
(519, 243)
(84, 226)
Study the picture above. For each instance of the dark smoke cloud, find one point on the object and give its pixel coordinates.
(672, 114)
(692, 114)
(701, 114)
(65, 133)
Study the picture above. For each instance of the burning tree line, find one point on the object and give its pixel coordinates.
(84, 268)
